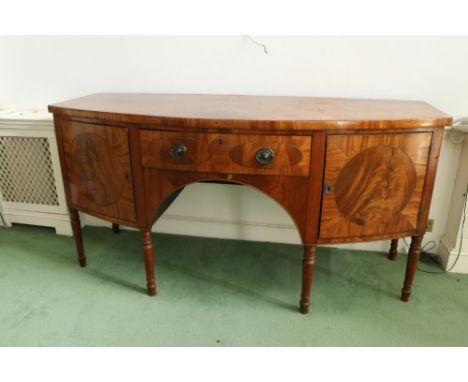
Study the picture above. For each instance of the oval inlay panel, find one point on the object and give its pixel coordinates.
(97, 169)
(375, 185)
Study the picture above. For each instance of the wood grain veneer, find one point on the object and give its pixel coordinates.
(226, 153)
(344, 170)
(376, 184)
(253, 112)
(99, 175)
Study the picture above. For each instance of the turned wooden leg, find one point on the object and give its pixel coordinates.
(411, 266)
(393, 249)
(76, 227)
(308, 264)
(115, 228)
(149, 261)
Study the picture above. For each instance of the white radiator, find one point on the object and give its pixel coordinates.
(31, 187)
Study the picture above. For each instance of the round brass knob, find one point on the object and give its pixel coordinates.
(265, 156)
(178, 151)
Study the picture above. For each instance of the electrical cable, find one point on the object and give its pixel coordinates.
(461, 233)
(426, 255)
(458, 141)
(3, 219)
(426, 250)
(257, 43)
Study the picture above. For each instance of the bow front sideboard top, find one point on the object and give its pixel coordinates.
(345, 170)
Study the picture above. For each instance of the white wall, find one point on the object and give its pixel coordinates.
(453, 251)
(35, 71)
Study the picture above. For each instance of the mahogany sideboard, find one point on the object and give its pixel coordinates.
(345, 170)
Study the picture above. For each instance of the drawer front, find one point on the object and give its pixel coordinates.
(226, 153)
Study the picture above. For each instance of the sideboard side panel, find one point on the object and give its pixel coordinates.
(58, 125)
(436, 143)
(314, 199)
(138, 180)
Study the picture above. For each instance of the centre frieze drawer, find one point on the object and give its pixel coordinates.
(226, 153)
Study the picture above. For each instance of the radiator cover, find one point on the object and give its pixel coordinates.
(31, 187)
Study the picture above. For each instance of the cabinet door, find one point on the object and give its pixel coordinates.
(373, 184)
(98, 169)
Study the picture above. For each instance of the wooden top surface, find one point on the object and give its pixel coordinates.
(253, 112)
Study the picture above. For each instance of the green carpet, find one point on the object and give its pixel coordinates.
(215, 293)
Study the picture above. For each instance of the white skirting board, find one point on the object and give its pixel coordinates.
(231, 212)
(60, 222)
(214, 228)
(448, 255)
(235, 230)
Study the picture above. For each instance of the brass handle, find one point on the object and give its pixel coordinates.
(178, 151)
(265, 156)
